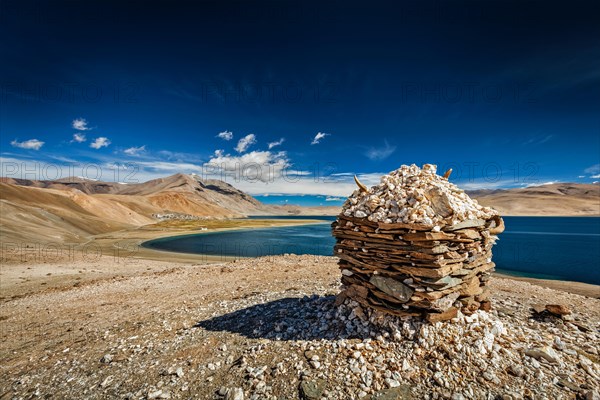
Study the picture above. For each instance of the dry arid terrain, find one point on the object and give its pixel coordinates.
(87, 313)
(72, 209)
(269, 328)
(557, 199)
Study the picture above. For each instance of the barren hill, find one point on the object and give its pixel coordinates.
(574, 199)
(71, 209)
(87, 186)
(52, 215)
(559, 199)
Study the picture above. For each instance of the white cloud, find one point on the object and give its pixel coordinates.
(80, 124)
(79, 138)
(245, 142)
(99, 143)
(380, 153)
(541, 184)
(276, 143)
(225, 135)
(318, 137)
(581, 176)
(263, 166)
(330, 198)
(135, 151)
(595, 176)
(31, 144)
(594, 169)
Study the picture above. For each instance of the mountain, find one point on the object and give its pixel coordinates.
(71, 209)
(59, 215)
(87, 186)
(569, 199)
(189, 194)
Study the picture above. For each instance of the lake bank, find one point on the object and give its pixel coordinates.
(121, 254)
(557, 248)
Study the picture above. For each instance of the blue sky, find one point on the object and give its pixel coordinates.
(505, 93)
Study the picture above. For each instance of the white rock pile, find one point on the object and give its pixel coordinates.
(416, 245)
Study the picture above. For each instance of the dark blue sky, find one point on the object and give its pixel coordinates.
(507, 93)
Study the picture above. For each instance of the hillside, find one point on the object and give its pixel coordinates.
(31, 213)
(71, 209)
(569, 199)
(559, 199)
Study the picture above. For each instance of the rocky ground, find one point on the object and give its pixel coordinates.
(269, 328)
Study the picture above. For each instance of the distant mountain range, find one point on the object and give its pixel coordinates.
(567, 199)
(74, 208)
(71, 208)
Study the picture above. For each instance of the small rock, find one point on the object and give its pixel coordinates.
(592, 395)
(154, 395)
(587, 366)
(106, 381)
(397, 393)
(106, 359)
(538, 308)
(565, 383)
(235, 393)
(486, 306)
(312, 390)
(179, 372)
(438, 377)
(559, 343)
(443, 316)
(516, 370)
(392, 383)
(558, 309)
(489, 376)
(547, 353)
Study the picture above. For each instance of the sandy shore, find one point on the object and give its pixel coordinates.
(31, 268)
(128, 243)
(584, 289)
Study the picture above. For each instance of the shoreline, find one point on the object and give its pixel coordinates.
(119, 245)
(584, 289)
(145, 234)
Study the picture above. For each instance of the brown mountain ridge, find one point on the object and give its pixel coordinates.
(73, 209)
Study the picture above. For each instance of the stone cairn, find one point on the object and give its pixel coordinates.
(416, 245)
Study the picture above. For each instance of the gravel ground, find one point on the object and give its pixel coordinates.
(269, 328)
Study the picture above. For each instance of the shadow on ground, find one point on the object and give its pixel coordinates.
(307, 318)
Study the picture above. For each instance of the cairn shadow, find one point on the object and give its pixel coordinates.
(306, 318)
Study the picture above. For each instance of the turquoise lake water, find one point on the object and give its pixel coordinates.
(564, 248)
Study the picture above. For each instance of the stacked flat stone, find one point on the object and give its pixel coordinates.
(416, 245)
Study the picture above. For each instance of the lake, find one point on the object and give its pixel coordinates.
(563, 248)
